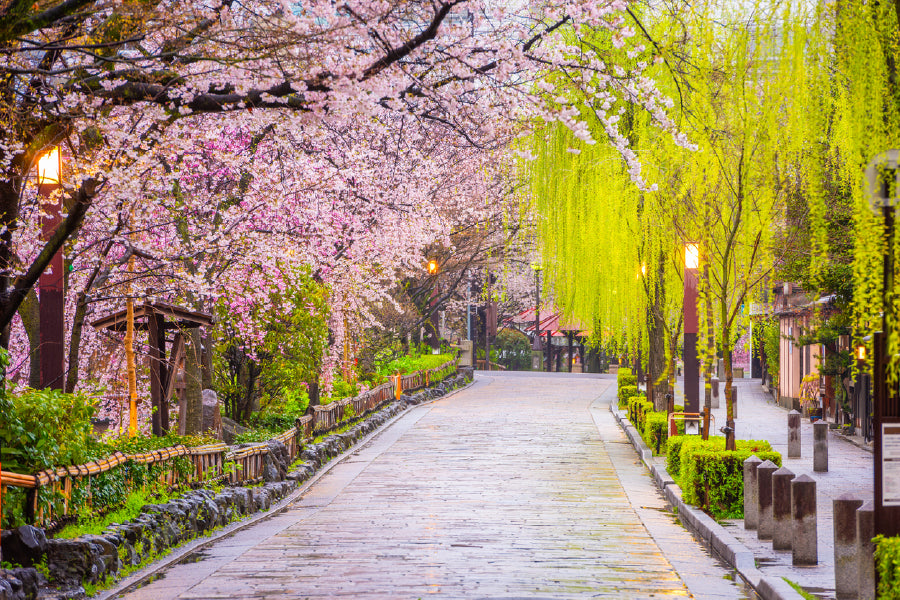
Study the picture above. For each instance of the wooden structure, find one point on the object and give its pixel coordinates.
(157, 318)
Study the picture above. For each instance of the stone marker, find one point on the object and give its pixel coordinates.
(820, 447)
(846, 552)
(865, 531)
(803, 513)
(751, 493)
(764, 481)
(781, 509)
(793, 434)
(211, 416)
(714, 399)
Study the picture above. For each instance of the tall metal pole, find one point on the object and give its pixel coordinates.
(50, 285)
(487, 326)
(887, 404)
(691, 362)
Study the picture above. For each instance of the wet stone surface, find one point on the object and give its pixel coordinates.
(510, 489)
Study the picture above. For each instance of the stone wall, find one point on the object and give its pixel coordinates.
(93, 558)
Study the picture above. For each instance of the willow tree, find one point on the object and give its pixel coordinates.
(734, 75)
(852, 113)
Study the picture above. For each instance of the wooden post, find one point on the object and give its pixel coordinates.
(129, 353)
(156, 324)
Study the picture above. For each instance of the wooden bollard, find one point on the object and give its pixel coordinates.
(781, 509)
(793, 434)
(846, 552)
(803, 513)
(764, 481)
(751, 492)
(820, 447)
(865, 551)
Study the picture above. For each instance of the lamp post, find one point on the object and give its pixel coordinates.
(883, 179)
(537, 353)
(50, 284)
(691, 362)
(432, 267)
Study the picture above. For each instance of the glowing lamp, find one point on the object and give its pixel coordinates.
(432, 267)
(861, 353)
(692, 256)
(49, 167)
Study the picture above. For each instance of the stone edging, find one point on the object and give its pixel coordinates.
(714, 535)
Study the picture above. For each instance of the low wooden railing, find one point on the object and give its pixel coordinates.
(211, 462)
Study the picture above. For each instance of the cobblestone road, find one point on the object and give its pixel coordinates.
(512, 488)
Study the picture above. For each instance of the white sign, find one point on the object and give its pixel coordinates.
(890, 464)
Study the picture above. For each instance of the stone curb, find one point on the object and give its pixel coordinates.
(714, 535)
(140, 577)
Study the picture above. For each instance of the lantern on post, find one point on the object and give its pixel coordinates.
(691, 362)
(883, 186)
(51, 296)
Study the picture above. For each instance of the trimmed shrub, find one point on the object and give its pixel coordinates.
(626, 392)
(710, 477)
(622, 372)
(656, 427)
(887, 567)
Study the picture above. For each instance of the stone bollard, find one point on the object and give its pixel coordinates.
(764, 481)
(781, 509)
(846, 552)
(751, 493)
(803, 513)
(865, 531)
(714, 401)
(820, 447)
(793, 434)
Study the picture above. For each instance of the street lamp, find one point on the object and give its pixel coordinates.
(50, 285)
(432, 267)
(883, 182)
(691, 362)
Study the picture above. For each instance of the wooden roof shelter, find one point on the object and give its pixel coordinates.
(156, 318)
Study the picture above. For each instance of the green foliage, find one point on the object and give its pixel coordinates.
(412, 363)
(90, 523)
(46, 428)
(341, 389)
(280, 414)
(290, 355)
(769, 334)
(513, 350)
(887, 567)
(711, 477)
(626, 392)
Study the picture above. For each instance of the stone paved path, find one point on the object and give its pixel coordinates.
(512, 488)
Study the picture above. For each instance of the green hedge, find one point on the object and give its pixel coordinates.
(626, 392)
(652, 425)
(711, 477)
(887, 567)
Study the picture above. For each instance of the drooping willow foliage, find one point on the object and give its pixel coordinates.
(785, 103)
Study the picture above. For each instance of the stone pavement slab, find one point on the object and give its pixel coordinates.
(517, 487)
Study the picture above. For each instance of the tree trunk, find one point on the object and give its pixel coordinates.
(29, 311)
(657, 388)
(193, 384)
(75, 342)
(729, 391)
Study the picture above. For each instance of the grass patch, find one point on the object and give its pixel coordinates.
(806, 595)
(95, 525)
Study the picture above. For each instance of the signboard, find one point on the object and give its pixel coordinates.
(890, 464)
